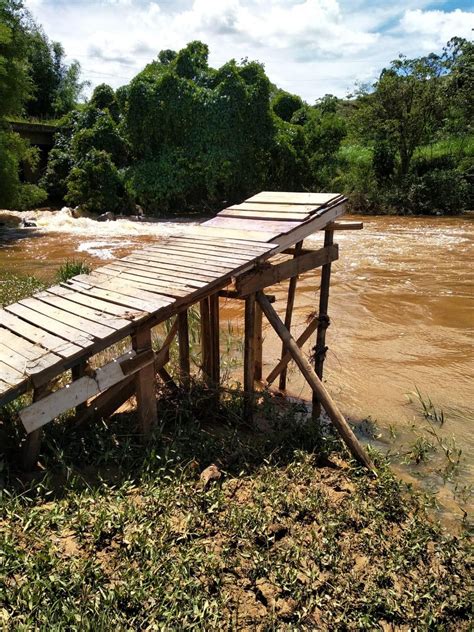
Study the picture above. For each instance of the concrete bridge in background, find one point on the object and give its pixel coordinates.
(39, 135)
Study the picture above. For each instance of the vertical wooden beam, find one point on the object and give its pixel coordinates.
(249, 357)
(31, 448)
(258, 343)
(183, 341)
(206, 344)
(78, 371)
(320, 348)
(289, 313)
(313, 380)
(145, 384)
(215, 340)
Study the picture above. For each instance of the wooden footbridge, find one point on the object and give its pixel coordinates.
(243, 250)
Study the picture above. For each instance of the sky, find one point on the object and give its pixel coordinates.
(308, 47)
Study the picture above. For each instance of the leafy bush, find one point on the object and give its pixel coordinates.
(96, 185)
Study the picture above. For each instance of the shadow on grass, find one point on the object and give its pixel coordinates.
(193, 429)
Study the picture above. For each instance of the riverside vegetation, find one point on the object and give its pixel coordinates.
(292, 535)
(182, 135)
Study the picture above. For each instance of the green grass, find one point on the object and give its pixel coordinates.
(14, 287)
(294, 535)
(72, 268)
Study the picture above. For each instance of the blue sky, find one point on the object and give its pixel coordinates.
(310, 47)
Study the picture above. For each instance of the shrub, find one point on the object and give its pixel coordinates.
(96, 184)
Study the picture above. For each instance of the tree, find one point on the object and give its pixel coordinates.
(15, 83)
(56, 87)
(405, 107)
(285, 105)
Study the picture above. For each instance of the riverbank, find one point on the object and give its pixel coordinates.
(285, 531)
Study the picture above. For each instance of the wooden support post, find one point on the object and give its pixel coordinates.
(249, 357)
(183, 340)
(287, 357)
(78, 371)
(145, 384)
(320, 348)
(258, 344)
(215, 340)
(206, 344)
(313, 380)
(289, 312)
(31, 448)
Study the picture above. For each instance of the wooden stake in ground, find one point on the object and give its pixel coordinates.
(206, 343)
(317, 386)
(289, 313)
(31, 448)
(183, 340)
(145, 384)
(249, 356)
(323, 324)
(258, 344)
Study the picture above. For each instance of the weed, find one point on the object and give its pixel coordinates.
(70, 269)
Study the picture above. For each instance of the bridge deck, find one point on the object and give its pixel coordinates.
(56, 329)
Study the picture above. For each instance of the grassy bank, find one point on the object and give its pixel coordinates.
(292, 535)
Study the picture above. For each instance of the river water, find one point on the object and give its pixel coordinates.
(401, 309)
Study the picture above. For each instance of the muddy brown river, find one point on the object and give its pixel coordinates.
(401, 309)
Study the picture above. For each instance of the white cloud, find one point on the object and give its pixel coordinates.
(435, 28)
(310, 47)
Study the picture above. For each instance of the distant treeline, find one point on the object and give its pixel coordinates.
(182, 135)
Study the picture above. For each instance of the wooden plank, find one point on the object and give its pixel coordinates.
(231, 233)
(290, 197)
(285, 208)
(35, 334)
(200, 254)
(308, 228)
(147, 283)
(271, 274)
(174, 279)
(84, 325)
(239, 238)
(180, 263)
(76, 336)
(42, 412)
(84, 311)
(317, 386)
(106, 403)
(127, 284)
(104, 289)
(344, 226)
(165, 271)
(36, 357)
(289, 311)
(12, 359)
(249, 357)
(99, 305)
(287, 357)
(183, 338)
(264, 215)
(273, 226)
(10, 376)
(237, 246)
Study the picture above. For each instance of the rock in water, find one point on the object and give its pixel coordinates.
(106, 217)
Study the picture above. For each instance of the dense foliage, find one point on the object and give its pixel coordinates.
(183, 135)
(34, 81)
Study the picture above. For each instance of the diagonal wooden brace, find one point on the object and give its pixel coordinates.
(317, 386)
(287, 356)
